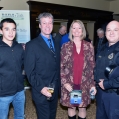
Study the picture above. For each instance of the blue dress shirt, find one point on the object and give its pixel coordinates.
(47, 42)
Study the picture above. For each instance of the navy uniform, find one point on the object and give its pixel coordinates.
(107, 100)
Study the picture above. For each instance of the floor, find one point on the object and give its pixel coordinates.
(30, 111)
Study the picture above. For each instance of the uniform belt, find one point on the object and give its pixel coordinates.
(113, 91)
(110, 90)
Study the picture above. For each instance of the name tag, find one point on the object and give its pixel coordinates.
(99, 56)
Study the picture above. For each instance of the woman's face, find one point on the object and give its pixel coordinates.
(77, 30)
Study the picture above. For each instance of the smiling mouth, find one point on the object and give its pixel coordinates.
(47, 29)
(111, 36)
(10, 36)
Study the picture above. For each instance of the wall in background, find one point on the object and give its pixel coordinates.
(14, 4)
(93, 4)
(90, 29)
(22, 5)
(114, 6)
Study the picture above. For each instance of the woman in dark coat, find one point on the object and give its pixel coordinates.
(77, 64)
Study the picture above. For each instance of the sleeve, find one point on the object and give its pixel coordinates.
(64, 39)
(63, 66)
(112, 83)
(113, 80)
(30, 69)
(92, 65)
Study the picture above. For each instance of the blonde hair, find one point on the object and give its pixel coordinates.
(82, 27)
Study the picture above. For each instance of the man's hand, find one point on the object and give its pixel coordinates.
(68, 87)
(101, 84)
(45, 92)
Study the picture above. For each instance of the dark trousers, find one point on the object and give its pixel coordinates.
(107, 105)
(47, 110)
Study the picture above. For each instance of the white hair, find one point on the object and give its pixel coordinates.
(100, 30)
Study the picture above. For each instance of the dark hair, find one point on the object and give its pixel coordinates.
(7, 20)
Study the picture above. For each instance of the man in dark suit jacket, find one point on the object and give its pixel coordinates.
(100, 41)
(42, 68)
(62, 31)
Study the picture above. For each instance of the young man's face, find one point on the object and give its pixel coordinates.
(46, 26)
(8, 32)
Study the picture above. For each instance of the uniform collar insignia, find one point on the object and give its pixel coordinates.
(111, 56)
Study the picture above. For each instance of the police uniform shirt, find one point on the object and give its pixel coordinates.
(104, 59)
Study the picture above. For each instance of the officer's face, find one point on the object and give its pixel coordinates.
(112, 32)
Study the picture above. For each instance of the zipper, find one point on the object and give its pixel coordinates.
(12, 49)
(1, 84)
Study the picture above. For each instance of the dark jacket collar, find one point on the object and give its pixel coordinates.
(4, 44)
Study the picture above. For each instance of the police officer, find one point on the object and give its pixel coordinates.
(107, 97)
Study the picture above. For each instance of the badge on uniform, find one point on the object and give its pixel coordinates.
(111, 56)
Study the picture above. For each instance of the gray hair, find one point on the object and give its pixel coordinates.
(44, 15)
(83, 29)
(61, 26)
(100, 30)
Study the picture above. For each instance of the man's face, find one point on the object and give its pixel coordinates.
(100, 35)
(112, 32)
(8, 32)
(63, 30)
(46, 26)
